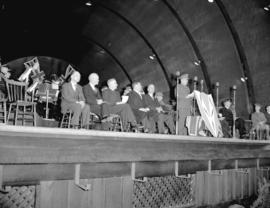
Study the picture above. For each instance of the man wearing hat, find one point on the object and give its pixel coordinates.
(166, 114)
(184, 103)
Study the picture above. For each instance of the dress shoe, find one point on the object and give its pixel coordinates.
(136, 127)
(74, 126)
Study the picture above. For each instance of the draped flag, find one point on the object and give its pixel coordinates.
(208, 112)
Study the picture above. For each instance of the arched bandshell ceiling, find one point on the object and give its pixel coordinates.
(116, 38)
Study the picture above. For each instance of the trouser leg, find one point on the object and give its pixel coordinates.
(127, 116)
(170, 123)
(85, 115)
(183, 113)
(240, 125)
(76, 109)
(160, 122)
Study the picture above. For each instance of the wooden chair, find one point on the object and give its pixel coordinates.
(115, 123)
(257, 134)
(19, 102)
(31, 63)
(3, 110)
(94, 121)
(66, 119)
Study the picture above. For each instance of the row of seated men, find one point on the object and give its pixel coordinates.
(146, 110)
(139, 110)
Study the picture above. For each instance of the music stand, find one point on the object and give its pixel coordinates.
(47, 94)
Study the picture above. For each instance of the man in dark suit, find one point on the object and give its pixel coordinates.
(137, 104)
(229, 117)
(73, 99)
(160, 116)
(92, 95)
(116, 105)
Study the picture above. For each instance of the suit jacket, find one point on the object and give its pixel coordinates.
(111, 97)
(91, 99)
(152, 103)
(90, 95)
(136, 102)
(70, 96)
(267, 116)
(227, 113)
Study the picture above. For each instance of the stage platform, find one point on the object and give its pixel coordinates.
(30, 154)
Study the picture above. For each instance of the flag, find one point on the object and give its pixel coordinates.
(208, 112)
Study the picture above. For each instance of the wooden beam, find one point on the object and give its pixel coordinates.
(33, 174)
(29, 145)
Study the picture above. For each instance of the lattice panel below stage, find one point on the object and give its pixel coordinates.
(163, 192)
(18, 196)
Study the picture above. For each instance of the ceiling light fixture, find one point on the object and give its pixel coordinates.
(197, 63)
(101, 51)
(243, 79)
(152, 57)
(210, 1)
(267, 8)
(89, 3)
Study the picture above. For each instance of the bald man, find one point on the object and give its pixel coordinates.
(92, 94)
(73, 99)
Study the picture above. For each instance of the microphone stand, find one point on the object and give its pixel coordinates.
(177, 105)
(233, 109)
(217, 94)
(195, 80)
(201, 83)
(47, 101)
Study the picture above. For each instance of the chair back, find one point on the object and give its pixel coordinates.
(17, 91)
(31, 63)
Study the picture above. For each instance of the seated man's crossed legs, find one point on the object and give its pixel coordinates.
(126, 114)
(168, 120)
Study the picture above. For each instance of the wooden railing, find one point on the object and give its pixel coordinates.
(30, 154)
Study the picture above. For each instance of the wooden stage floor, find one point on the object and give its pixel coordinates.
(39, 153)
